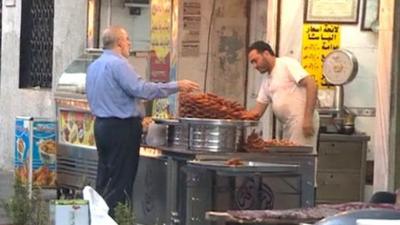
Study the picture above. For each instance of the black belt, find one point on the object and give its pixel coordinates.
(117, 118)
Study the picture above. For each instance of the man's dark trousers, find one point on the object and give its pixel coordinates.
(118, 143)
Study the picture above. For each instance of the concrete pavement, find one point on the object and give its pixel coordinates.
(6, 191)
(6, 183)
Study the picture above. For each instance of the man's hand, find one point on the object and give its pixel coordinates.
(257, 111)
(187, 85)
(250, 115)
(308, 128)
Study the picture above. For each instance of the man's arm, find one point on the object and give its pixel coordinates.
(311, 98)
(258, 110)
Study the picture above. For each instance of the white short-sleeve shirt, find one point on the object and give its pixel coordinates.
(282, 91)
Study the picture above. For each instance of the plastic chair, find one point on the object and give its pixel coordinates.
(350, 218)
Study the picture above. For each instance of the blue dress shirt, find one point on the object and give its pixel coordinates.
(114, 89)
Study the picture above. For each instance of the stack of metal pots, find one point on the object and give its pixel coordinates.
(215, 135)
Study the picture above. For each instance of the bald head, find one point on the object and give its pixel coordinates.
(116, 38)
(111, 35)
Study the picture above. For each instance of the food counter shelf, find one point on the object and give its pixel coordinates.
(344, 137)
(243, 167)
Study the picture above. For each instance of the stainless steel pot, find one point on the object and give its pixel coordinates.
(177, 133)
(214, 138)
(206, 134)
(216, 135)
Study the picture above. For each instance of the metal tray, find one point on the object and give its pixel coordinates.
(248, 166)
(221, 122)
(166, 121)
(282, 149)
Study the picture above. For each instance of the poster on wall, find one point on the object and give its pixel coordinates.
(159, 68)
(191, 28)
(160, 45)
(160, 40)
(318, 41)
(161, 109)
(172, 99)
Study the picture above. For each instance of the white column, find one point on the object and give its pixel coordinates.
(383, 170)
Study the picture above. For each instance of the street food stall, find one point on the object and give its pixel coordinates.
(76, 152)
(202, 164)
(193, 177)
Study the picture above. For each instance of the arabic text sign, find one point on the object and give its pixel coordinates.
(318, 41)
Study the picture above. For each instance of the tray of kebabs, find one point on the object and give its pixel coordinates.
(211, 106)
(255, 143)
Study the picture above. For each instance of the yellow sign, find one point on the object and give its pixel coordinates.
(160, 27)
(160, 43)
(318, 41)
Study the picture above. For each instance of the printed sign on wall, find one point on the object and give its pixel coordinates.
(160, 44)
(160, 40)
(318, 41)
(191, 28)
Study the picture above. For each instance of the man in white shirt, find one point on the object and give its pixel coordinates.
(291, 92)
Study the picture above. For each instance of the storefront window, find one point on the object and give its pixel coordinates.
(133, 15)
(36, 50)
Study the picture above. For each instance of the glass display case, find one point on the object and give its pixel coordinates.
(76, 156)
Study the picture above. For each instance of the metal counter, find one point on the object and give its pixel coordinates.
(341, 168)
(304, 159)
(184, 184)
(343, 137)
(244, 168)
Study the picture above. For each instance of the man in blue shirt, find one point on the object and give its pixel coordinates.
(114, 91)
